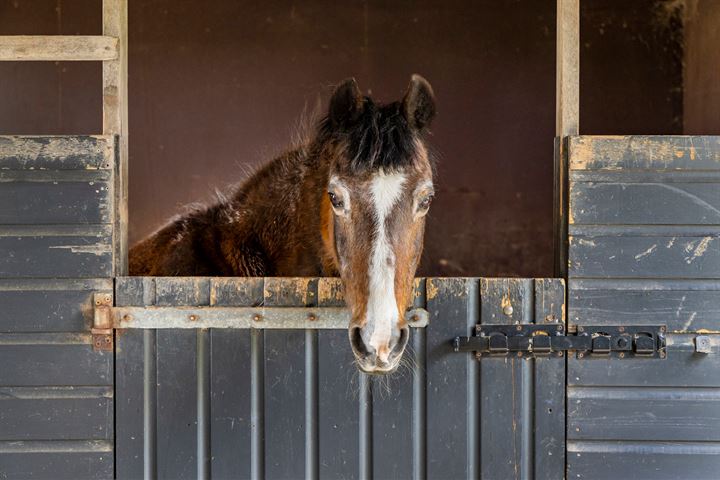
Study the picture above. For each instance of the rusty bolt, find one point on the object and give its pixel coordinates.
(258, 317)
(508, 310)
(581, 355)
(550, 319)
(415, 318)
(478, 355)
(107, 299)
(560, 328)
(193, 318)
(662, 329)
(107, 339)
(662, 354)
(518, 328)
(519, 354)
(127, 317)
(312, 317)
(621, 355)
(560, 354)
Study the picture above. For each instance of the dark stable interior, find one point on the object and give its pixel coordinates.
(217, 88)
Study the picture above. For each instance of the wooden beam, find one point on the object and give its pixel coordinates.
(57, 48)
(115, 121)
(567, 106)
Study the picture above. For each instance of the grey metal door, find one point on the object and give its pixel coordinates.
(644, 248)
(56, 393)
(263, 402)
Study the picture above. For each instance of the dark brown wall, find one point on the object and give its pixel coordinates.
(702, 68)
(216, 88)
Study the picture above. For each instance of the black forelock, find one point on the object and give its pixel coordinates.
(380, 138)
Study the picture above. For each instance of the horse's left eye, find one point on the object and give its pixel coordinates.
(425, 203)
(336, 202)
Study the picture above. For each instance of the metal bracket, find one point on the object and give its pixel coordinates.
(102, 327)
(551, 340)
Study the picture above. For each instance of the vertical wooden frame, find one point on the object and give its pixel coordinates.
(567, 119)
(115, 122)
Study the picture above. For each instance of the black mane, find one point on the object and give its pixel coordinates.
(380, 138)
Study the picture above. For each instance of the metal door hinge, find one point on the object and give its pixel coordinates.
(102, 327)
(552, 340)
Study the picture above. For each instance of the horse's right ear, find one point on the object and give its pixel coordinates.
(346, 104)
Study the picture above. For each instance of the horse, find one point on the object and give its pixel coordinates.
(349, 202)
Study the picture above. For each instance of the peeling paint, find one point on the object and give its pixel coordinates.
(699, 250)
(646, 252)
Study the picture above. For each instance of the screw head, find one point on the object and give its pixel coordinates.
(257, 317)
(312, 317)
(519, 354)
(581, 355)
(193, 318)
(508, 310)
(621, 355)
(518, 328)
(127, 317)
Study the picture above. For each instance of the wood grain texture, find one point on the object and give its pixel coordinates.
(58, 48)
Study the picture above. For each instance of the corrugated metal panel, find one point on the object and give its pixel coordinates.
(290, 404)
(645, 249)
(56, 393)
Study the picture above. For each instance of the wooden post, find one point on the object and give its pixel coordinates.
(567, 104)
(115, 121)
(567, 113)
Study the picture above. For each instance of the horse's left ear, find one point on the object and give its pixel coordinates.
(419, 103)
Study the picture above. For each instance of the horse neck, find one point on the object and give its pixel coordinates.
(283, 205)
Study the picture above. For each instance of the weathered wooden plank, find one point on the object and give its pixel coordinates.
(683, 367)
(230, 382)
(129, 394)
(53, 359)
(659, 460)
(452, 379)
(87, 152)
(567, 67)
(58, 48)
(48, 305)
(182, 291)
(506, 300)
(86, 459)
(684, 306)
(506, 386)
(60, 256)
(645, 256)
(56, 413)
(548, 403)
(230, 403)
(672, 414)
(338, 402)
(33, 203)
(176, 404)
(639, 152)
(115, 120)
(285, 382)
(625, 203)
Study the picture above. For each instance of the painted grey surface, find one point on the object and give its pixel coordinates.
(645, 249)
(291, 404)
(56, 393)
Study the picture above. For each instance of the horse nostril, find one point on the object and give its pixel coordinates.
(357, 342)
(401, 343)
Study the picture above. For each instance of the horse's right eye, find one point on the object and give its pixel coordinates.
(336, 202)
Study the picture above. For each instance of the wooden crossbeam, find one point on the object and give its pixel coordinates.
(58, 48)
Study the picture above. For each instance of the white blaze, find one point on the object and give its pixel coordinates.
(382, 311)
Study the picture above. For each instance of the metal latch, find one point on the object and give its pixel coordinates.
(102, 327)
(551, 340)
